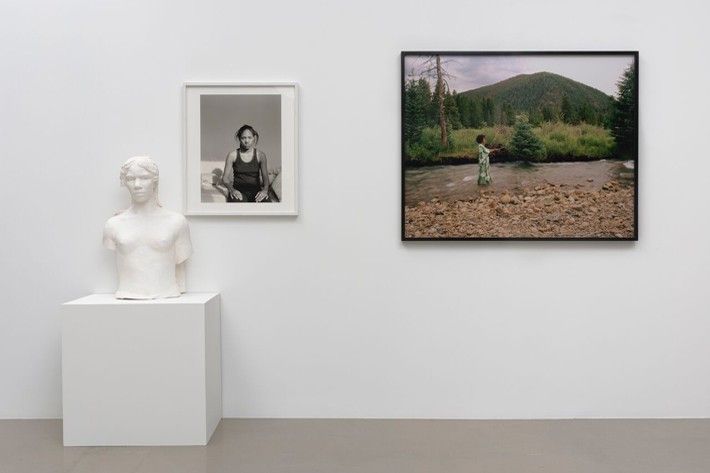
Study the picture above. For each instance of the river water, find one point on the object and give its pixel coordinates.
(459, 182)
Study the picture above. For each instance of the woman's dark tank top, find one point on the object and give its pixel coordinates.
(246, 175)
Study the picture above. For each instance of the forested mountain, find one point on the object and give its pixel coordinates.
(573, 120)
(550, 96)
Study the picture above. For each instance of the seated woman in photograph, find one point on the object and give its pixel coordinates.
(245, 172)
(484, 164)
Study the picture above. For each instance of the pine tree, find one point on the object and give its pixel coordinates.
(524, 144)
(508, 114)
(586, 114)
(488, 112)
(535, 117)
(463, 104)
(624, 126)
(417, 99)
(547, 114)
(566, 112)
(476, 115)
(453, 117)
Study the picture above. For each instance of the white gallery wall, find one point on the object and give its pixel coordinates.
(329, 314)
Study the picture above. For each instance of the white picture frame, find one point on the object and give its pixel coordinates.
(213, 111)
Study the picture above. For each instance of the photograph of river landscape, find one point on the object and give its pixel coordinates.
(519, 146)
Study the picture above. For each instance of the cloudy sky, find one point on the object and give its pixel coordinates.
(470, 72)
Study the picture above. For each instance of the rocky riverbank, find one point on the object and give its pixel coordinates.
(542, 211)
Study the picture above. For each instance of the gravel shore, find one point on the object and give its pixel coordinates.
(542, 211)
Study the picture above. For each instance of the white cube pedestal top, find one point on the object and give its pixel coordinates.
(141, 372)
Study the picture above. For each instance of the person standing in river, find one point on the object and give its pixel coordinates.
(484, 164)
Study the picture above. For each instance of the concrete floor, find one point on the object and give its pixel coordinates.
(387, 446)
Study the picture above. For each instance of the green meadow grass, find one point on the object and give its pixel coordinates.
(561, 140)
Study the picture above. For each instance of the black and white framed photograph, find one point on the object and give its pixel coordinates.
(241, 148)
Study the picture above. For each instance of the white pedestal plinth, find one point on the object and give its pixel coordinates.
(141, 372)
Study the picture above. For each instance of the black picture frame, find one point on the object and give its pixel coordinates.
(403, 79)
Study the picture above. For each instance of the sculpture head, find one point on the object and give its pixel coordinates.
(140, 176)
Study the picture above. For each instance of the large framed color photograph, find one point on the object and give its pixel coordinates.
(520, 145)
(241, 148)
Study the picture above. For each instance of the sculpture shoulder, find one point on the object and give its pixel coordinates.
(115, 221)
(175, 218)
(110, 231)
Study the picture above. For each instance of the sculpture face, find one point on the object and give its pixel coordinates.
(141, 184)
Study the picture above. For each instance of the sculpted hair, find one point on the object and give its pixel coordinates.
(242, 129)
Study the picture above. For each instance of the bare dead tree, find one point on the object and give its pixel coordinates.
(442, 111)
(433, 69)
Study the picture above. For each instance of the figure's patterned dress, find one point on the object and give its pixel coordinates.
(484, 165)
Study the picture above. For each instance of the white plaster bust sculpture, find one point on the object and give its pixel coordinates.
(151, 243)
